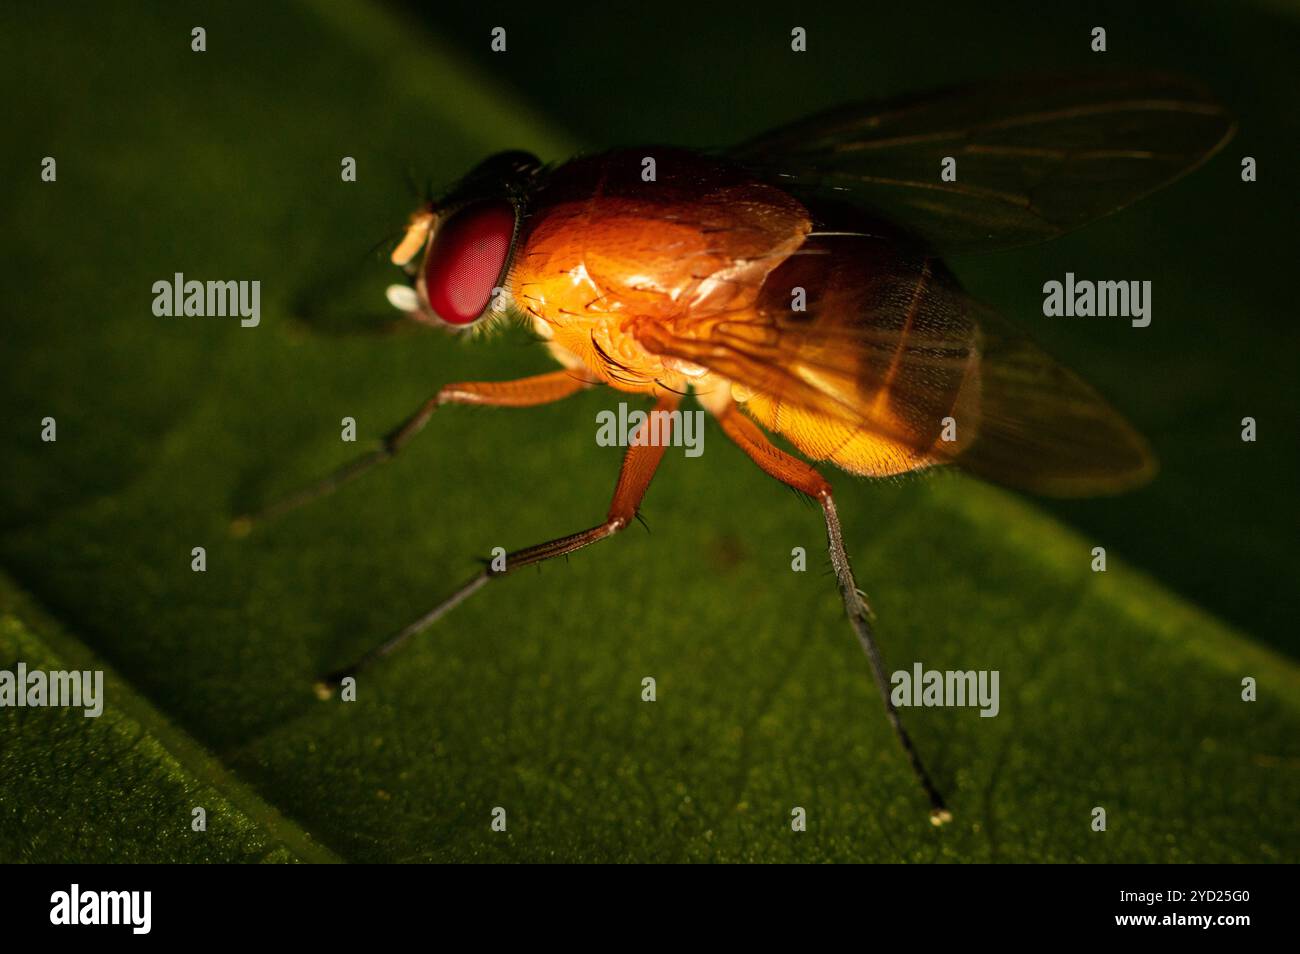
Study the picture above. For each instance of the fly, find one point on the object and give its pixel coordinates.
(686, 282)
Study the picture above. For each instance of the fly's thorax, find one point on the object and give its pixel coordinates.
(700, 236)
(604, 252)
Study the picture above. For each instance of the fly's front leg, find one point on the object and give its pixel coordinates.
(525, 392)
(639, 466)
(795, 473)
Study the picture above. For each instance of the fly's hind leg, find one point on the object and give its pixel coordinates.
(639, 466)
(802, 477)
(525, 392)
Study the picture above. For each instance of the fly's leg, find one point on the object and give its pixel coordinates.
(525, 392)
(639, 466)
(795, 473)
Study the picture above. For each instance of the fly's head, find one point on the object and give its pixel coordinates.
(457, 252)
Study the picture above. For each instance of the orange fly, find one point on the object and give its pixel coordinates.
(682, 282)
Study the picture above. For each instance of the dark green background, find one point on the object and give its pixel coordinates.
(1118, 690)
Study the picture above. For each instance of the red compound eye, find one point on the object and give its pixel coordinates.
(468, 255)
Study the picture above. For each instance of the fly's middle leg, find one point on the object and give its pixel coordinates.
(639, 466)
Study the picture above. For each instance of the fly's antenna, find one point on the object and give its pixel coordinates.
(413, 184)
(385, 243)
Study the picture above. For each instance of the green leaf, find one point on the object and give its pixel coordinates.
(122, 785)
(225, 165)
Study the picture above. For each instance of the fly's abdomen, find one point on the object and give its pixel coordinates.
(881, 363)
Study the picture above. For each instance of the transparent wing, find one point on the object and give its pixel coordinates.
(1044, 429)
(891, 367)
(1036, 156)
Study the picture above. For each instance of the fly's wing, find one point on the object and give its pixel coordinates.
(1044, 429)
(1036, 156)
(891, 368)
